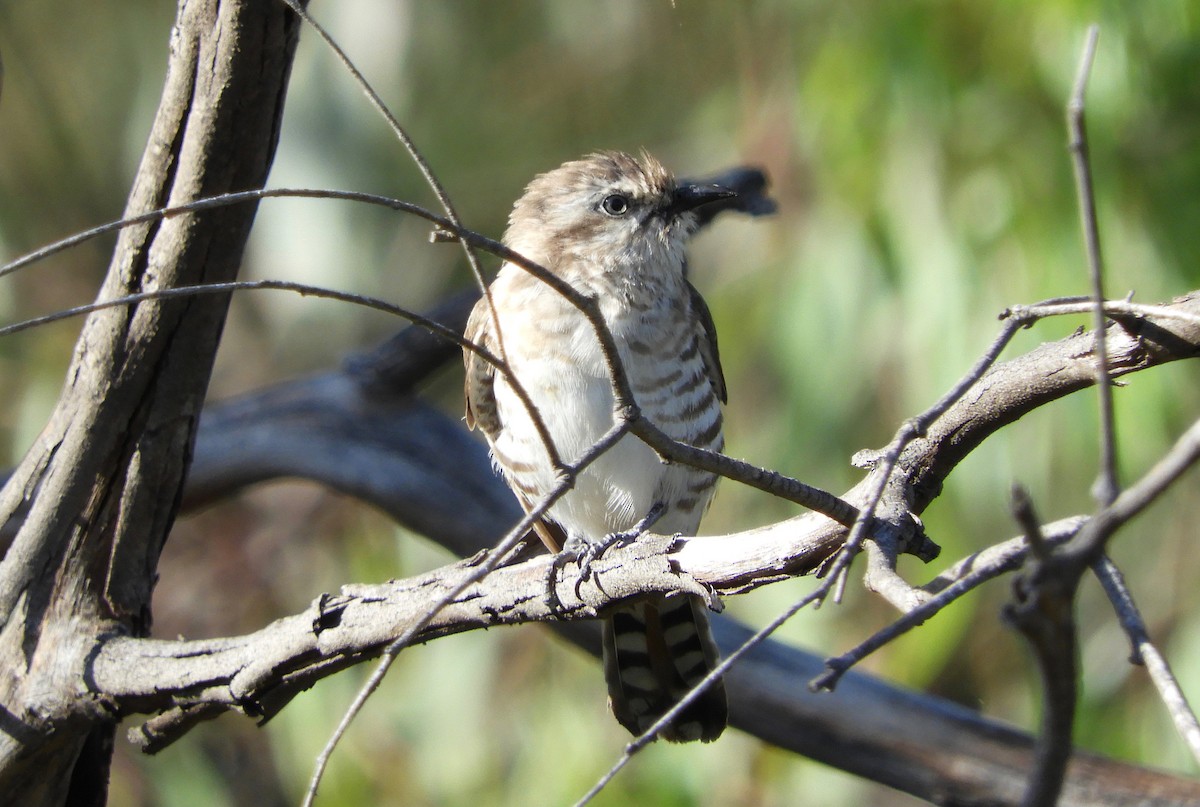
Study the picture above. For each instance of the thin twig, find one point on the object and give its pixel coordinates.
(302, 289)
(399, 131)
(836, 579)
(1088, 546)
(1091, 541)
(1145, 653)
(777, 484)
(1004, 556)
(1115, 309)
(211, 202)
(1044, 599)
(1105, 489)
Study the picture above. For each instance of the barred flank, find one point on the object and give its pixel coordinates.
(653, 654)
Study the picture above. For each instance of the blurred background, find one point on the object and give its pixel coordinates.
(917, 151)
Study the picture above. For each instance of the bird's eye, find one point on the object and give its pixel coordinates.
(615, 205)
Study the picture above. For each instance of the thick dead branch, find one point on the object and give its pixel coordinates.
(931, 748)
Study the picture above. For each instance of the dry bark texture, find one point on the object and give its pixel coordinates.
(99, 490)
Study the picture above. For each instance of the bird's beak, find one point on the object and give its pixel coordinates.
(689, 197)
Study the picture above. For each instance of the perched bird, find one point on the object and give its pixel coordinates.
(614, 226)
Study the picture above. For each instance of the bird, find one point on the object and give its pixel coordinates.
(615, 226)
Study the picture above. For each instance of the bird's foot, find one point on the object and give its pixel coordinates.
(584, 552)
(575, 550)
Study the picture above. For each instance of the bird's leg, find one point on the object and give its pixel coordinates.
(578, 549)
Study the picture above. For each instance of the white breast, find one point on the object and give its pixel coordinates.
(555, 354)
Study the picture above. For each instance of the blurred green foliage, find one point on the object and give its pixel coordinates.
(918, 154)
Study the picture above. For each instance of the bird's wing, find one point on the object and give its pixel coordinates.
(481, 374)
(480, 395)
(708, 344)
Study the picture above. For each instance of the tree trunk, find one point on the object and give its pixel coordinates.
(99, 490)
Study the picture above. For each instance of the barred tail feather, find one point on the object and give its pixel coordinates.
(654, 653)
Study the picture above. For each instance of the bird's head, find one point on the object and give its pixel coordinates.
(611, 211)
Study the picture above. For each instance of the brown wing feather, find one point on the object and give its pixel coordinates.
(480, 374)
(548, 532)
(708, 345)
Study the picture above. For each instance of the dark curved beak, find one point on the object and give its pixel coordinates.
(689, 197)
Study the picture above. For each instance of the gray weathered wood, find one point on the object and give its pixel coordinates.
(101, 486)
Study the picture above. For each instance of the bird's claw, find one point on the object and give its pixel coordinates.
(584, 552)
(575, 550)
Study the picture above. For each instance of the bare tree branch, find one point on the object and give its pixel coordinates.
(422, 467)
(258, 673)
(948, 587)
(1106, 482)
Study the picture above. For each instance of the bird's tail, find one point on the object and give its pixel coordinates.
(654, 652)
